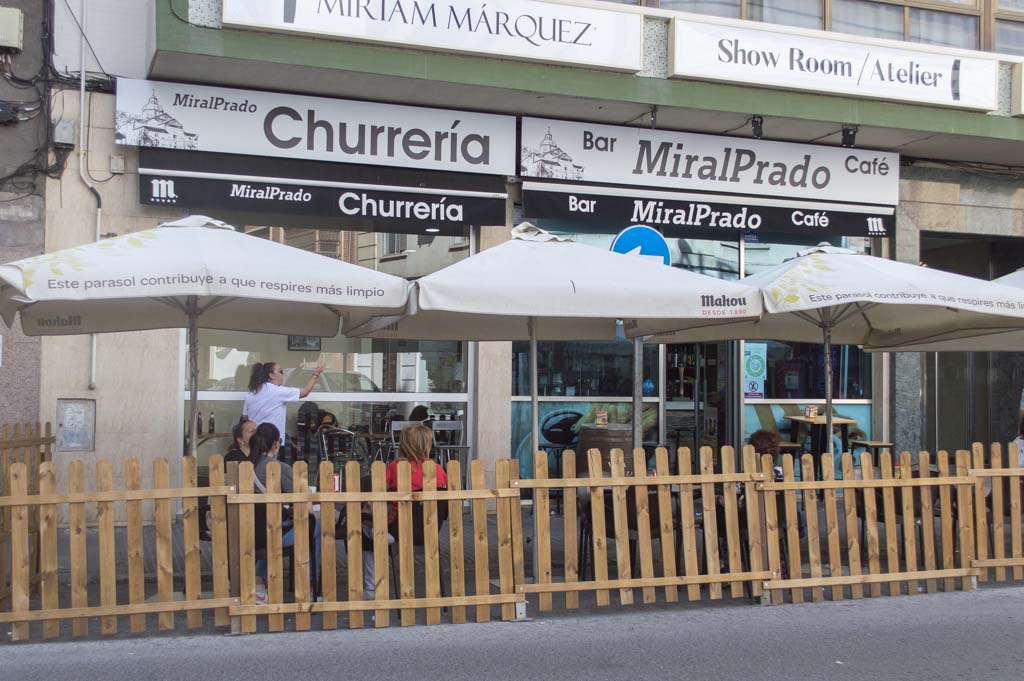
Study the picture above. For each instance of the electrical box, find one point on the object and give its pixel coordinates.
(12, 27)
(64, 134)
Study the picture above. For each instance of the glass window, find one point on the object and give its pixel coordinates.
(392, 244)
(583, 368)
(350, 364)
(872, 19)
(715, 8)
(802, 13)
(943, 28)
(1013, 5)
(796, 370)
(367, 419)
(1010, 37)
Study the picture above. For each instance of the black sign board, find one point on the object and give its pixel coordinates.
(699, 219)
(396, 201)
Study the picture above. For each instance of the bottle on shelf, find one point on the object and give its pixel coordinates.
(199, 422)
(213, 424)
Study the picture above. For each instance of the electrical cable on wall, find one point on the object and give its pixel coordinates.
(49, 159)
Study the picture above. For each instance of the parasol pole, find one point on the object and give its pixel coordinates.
(531, 322)
(638, 393)
(192, 338)
(826, 329)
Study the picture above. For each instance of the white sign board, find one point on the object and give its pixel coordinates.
(513, 29)
(196, 117)
(818, 61)
(755, 369)
(563, 150)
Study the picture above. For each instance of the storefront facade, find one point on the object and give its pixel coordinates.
(740, 142)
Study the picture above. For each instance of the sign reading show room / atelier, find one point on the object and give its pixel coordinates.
(201, 118)
(819, 61)
(511, 29)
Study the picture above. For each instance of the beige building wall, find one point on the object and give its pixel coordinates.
(137, 388)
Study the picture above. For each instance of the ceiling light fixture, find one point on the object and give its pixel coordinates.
(757, 126)
(850, 135)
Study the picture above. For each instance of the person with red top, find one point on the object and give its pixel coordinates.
(414, 444)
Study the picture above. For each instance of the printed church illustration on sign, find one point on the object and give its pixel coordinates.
(154, 127)
(550, 160)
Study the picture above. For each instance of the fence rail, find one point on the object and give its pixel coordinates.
(738, 525)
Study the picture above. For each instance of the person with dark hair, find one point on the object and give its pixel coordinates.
(267, 398)
(765, 442)
(419, 413)
(241, 433)
(264, 446)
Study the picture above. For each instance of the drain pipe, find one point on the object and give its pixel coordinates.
(83, 159)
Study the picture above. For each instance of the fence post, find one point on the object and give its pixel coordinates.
(19, 551)
(48, 549)
(219, 537)
(981, 516)
(5, 521)
(233, 539)
(757, 557)
(966, 519)
(136, 567)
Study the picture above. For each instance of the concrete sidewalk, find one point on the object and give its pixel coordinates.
(972, 635)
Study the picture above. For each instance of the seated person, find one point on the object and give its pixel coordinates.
(765, 442)
(414, 445)
(264, 447)
(419, 413)
(241, 434)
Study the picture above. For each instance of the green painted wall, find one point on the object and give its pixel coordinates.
(174, 35)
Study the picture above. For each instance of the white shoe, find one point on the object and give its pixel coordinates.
(261, 595)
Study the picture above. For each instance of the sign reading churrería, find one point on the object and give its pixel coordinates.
(511, 29)
(201, 118)
(819, 61)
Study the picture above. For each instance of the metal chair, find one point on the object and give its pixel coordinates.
(394, 430)
(338, 446)
(451, 443)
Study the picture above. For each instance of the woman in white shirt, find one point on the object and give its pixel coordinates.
(267, 399)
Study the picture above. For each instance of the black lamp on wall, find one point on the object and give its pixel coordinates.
(757, 126)
(849, 136)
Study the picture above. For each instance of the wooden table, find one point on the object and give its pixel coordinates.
(819, 439)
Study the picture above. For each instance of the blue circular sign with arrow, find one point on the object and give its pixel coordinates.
(642, 240)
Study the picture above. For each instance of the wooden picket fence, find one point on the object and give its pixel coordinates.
(901, 526)
(373, 523)
(32, 445)
(679, 511)
(998, 487)
(910, 506)
(231, 588)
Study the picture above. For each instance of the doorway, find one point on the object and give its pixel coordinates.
(971, 396)
(699, 407)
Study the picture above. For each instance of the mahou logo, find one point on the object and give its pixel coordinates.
(289, 11)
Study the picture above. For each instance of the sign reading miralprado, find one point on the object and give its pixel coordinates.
(196, 117)
(512, 29)
(609, 154)
(819, 61)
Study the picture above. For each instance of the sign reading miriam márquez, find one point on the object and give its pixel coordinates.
(606, 38)
(196, 117)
